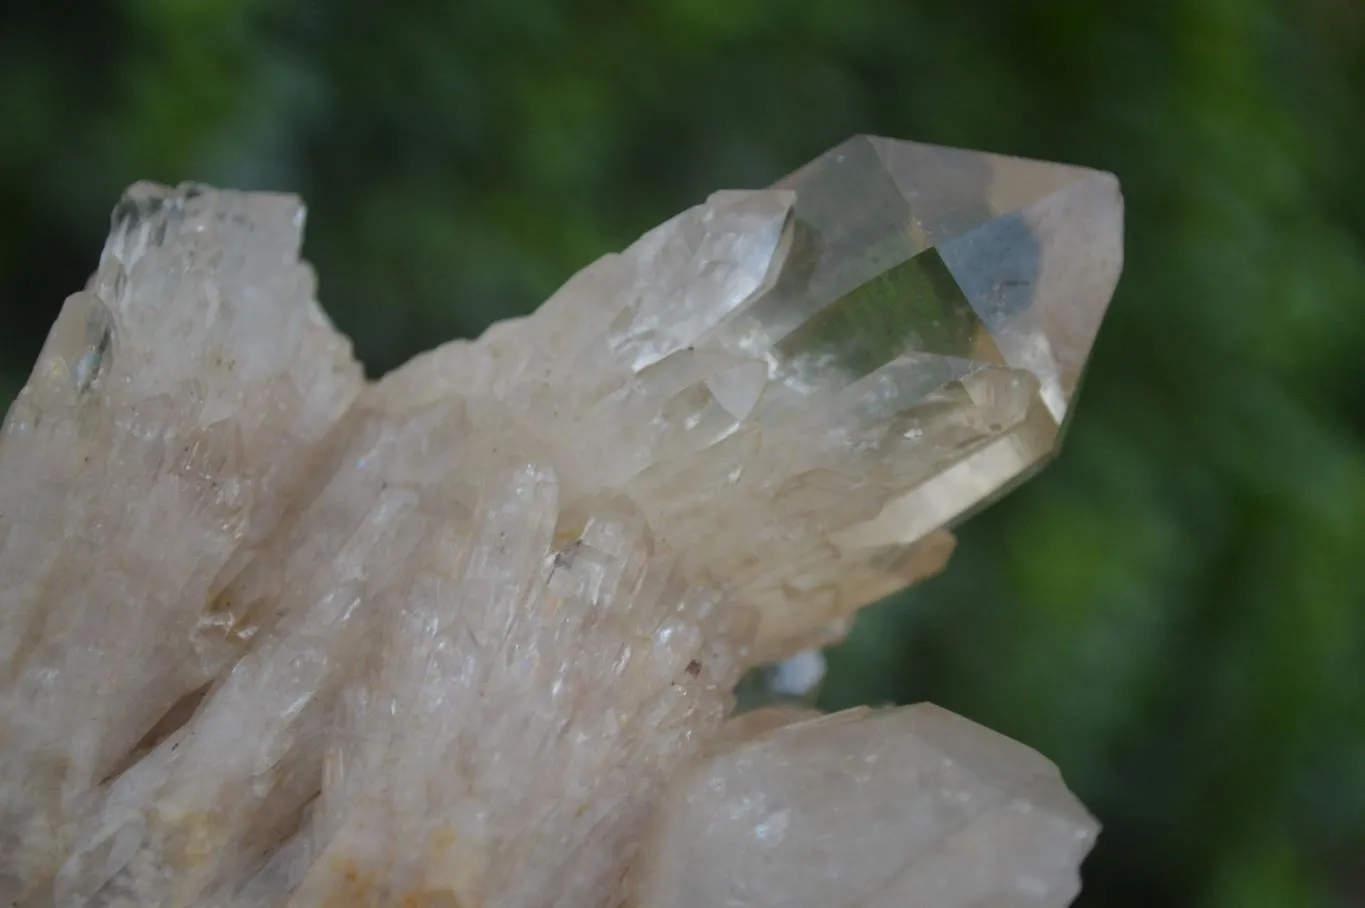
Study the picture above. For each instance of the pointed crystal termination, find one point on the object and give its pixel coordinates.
(805, 388)
(909, 806)
(963, 264)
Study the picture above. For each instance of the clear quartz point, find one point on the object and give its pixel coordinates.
(924, 331)
(985, 277)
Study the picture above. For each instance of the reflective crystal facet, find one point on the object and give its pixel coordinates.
(938, 255)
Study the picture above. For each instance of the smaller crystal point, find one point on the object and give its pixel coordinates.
(911, 806)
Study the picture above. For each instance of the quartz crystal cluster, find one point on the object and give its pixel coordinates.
(468, 635)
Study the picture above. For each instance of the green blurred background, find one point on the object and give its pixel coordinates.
(1174, 612)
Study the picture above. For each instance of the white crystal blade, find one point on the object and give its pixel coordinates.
(904, 807)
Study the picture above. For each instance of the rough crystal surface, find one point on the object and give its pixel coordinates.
(913, 806)
(272, 636)
(179, 401)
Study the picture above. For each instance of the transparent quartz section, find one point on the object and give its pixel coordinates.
(955, 293)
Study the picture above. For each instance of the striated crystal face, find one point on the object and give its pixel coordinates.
(271, 635)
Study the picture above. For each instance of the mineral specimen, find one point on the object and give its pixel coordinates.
(469, 635)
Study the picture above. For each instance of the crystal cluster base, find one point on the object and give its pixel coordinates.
(271, 635)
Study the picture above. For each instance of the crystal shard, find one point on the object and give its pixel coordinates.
(904, 807)
(273, 636)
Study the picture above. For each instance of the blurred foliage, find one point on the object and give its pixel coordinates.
(1174, 612)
